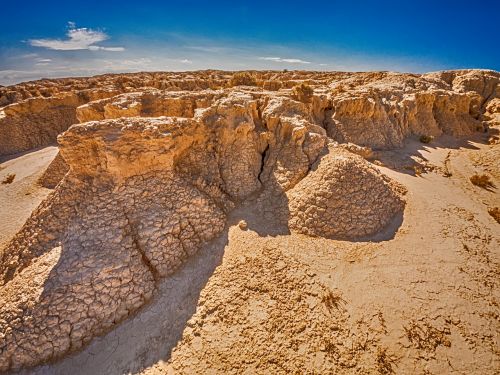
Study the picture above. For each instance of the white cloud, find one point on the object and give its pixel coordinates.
(113, 49)
(209, 49)
(28, 56)
(44, 60)
(186, 61)
(281, 60)
(78, 39)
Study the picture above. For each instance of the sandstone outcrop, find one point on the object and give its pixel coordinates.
(160, 159)
(382, 113)
(37, 121)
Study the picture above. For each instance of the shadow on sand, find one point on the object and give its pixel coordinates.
(411, 158)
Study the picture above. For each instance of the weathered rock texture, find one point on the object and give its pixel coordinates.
(154, 170)
(343, 196)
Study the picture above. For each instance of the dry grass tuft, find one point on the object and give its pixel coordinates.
(495, 213)
(333, 300)
(385, 362)
(482, 180)
(426, 337)
(9, 178)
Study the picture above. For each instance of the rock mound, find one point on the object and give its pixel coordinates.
(343, 197)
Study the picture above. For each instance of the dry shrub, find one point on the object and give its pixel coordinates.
(426, 337)
(9, 178)
(495, 213)
(242, 79)
(303, 92)
(385, 362)
(482, 180)
(122, 82)
(493, 140)
(426, 138)
(333, 300)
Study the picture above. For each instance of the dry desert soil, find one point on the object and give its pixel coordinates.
(255, 222)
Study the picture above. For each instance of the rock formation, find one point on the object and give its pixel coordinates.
(343, 197)
(158, 161)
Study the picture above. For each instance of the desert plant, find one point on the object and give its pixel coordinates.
(447, 169)
(417, 169)
(385, 362)
(426, 337)
(242, 79)
(482, 180)
(332, 300)
(426, 138)
(495, 213)
(303, 92)
(9, 178)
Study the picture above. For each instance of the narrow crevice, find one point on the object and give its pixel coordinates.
(135, 240)
(263, 163)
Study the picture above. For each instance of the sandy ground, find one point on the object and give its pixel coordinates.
(19, 198)
(421, 298)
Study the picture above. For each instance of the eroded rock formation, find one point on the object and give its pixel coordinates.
(343, 197)
(159, 160)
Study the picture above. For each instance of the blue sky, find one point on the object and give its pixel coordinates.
(68, 38)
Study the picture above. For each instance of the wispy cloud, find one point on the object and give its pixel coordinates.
(29, 56)
(179, 53)
(209, 49)
(281, 60)
(77, 39)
